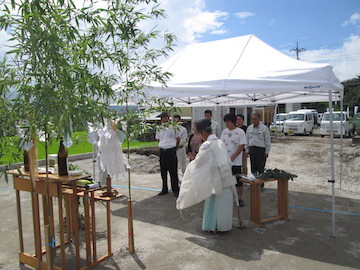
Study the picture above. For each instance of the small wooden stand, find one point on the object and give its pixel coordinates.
(59, 187)
(255, 201)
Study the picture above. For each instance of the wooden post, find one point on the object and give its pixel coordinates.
(93, 226)
(108, 186)
(61, 227)
(18, 207)
(108, 216)
(68, 217)
(87, 227)
(130, 228)
(36, 224)
(75, 221)
(33, 161)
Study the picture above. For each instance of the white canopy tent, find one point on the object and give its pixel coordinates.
(245, 70)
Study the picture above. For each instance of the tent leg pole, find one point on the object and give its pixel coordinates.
(332, 161)
(341, 140)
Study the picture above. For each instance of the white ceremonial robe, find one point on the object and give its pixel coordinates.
(207, 175)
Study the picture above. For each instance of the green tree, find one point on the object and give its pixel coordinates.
(128, 47)
(55, 66)
(352, 93)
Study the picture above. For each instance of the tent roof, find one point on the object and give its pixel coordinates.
(244, 70)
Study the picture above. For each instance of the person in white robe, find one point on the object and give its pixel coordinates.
(209, 177)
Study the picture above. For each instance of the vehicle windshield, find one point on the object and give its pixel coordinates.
(336, 117)
(296, 117)
(281, 117)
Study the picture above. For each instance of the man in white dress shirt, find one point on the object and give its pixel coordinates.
(181, 151)
(168, 139)
(258, 144)
(214, 125)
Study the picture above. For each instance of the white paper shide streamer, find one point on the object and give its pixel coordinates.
(111, 156)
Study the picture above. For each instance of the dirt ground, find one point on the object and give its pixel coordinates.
(164, 240)
(306, 156)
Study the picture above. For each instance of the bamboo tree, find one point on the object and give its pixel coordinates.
(129, 48)
(56, 66)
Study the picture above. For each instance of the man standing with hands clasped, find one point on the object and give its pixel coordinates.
(168, 141)
(181, 151)
(214, 125)
(234, 139)
(258, 144)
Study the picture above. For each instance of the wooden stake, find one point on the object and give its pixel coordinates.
(131, 228)
(108, 186)
(33, 162)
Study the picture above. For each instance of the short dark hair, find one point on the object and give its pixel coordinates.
(177, 116)
(241, 116)
(204, 124)
(209, 112)
(230, 117)
(163, 114)
(257, 114)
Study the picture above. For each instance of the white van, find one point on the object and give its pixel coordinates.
(278, 124)
(315, 116)
(325, 124)
(299, 122)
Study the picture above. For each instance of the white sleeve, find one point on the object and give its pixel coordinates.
(222, 135)
(267, 140)
(176, 132)
(157, 135)
(183, 136)
(242, 137)
(247, 139)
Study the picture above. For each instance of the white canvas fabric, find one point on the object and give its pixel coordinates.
(244, 70)
(208, 174)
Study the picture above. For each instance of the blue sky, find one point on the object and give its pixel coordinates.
(313, 23)
(328, 30)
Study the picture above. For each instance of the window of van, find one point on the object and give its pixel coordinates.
(296, 117)
(336, 117)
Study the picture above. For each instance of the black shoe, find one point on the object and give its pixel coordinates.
(162, 193)
(176, 195)
(241, 203)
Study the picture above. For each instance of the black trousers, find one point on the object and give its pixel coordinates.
(257, 159)
(236, 170)
(169, 163)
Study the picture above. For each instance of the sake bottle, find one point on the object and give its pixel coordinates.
(26, 161)
(62, 160)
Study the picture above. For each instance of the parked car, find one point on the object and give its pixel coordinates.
(278, 124)
(299, 122)
(347, 130)
(315, 116)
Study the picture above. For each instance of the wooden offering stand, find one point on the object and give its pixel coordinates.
(255, 201)
(109, 192)
(60, 187)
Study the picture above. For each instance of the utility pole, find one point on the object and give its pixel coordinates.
(297, 50)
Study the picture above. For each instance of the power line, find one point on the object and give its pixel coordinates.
(297, 50)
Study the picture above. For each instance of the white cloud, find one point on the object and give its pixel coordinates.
(244, 14)
(189, 19)
(205, 22)
(345, 59)
(354, 19)
(271, 23)
(5, 44)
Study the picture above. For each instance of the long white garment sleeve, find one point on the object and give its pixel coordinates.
(208, 174)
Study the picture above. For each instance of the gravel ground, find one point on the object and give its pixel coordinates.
(306, 156)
